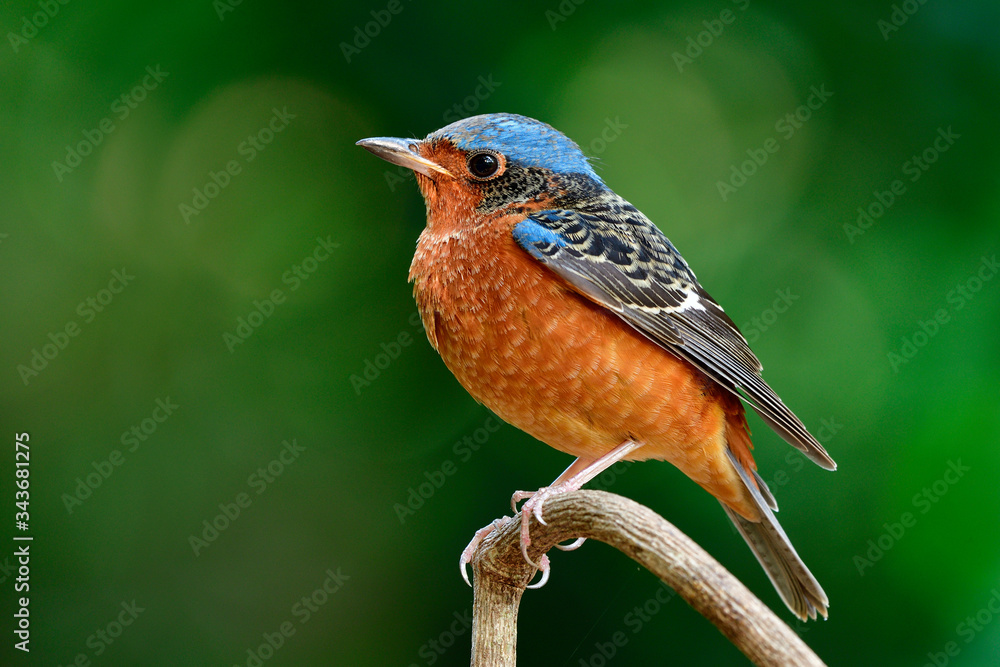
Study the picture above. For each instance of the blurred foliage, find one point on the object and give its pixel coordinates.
(298, 251)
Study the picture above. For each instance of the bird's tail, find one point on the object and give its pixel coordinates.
(794, 582)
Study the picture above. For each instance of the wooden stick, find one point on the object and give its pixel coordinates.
(501, 575)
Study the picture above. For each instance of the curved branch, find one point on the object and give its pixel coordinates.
(501, 575)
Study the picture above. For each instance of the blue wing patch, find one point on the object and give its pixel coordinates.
(529, 234)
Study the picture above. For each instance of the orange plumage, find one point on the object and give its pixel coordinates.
(564, 369)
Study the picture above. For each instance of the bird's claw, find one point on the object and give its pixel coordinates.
(533, 507)
(474, 543)
(546, 569)
(518, 496)
(572, 546)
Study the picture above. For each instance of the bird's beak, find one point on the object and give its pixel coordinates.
(404, 153)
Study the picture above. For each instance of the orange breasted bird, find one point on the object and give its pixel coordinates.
(564, 310)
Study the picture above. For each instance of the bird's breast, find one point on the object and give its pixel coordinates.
(550, 362)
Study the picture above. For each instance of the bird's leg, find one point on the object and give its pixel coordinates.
(573, 478)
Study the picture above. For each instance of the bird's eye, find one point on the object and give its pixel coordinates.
(484, 165)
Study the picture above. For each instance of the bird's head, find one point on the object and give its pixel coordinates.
(489, 164)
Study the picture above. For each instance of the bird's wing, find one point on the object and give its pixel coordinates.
(617, 258)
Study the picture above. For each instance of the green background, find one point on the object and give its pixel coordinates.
(663, 136)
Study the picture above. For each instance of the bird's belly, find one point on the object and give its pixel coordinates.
(570, 372)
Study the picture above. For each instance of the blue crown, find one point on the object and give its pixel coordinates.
(524, 141)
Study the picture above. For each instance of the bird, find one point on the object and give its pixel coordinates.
(563, 309)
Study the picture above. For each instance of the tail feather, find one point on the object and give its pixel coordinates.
(794, 582)
(765, 492)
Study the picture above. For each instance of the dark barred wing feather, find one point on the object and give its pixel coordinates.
(613, 254)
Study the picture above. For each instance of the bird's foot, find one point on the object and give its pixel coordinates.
(536, 500)
(572, 479)
(481, 534)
